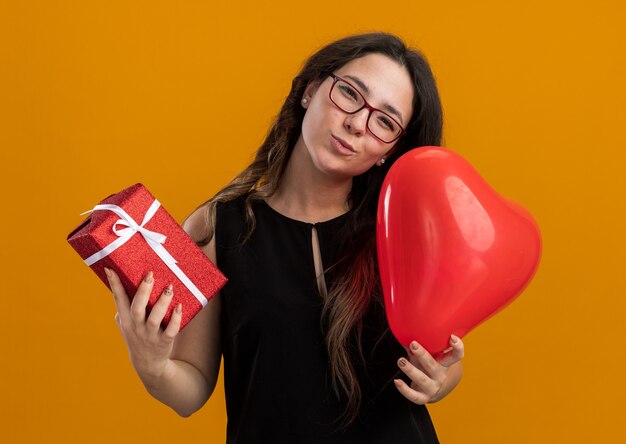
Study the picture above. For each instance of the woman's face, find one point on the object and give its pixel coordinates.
(338, 143)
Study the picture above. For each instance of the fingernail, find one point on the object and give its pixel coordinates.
(414, 346)
(108, 272)
(179, 308)
(454, 339)
(402, 362)
(396, 382)
(149, 278)
(168, 290)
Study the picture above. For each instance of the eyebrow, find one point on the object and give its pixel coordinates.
(364, 87)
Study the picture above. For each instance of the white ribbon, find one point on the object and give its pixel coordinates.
(155, 241)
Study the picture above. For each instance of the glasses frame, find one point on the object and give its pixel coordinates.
(369, 107)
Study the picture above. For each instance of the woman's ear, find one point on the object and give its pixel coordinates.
(309, 92)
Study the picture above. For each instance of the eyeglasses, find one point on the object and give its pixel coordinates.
(348, 99)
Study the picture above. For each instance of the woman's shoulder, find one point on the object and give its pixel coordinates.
(227, 216)
(232, 211)
(236, 202)
(196, 225)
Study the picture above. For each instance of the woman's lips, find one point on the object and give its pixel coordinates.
(342, 146)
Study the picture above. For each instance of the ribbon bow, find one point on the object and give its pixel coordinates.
(155, 241)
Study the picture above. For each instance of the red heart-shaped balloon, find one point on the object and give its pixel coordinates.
(451, 251)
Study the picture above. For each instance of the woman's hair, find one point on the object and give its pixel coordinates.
(357, 282)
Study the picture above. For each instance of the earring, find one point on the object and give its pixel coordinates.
(305, 101)
(382, 160)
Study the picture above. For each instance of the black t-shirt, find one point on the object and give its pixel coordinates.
(276, 368)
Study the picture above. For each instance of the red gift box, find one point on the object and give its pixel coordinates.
(131, 233)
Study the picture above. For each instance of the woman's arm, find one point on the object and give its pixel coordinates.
(178, 368)
(190, 376)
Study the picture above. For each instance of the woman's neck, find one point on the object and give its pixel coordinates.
(307, 194)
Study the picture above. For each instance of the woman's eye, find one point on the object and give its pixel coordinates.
(349, 91)
(386, 123)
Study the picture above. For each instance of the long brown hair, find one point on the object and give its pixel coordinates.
(358, 282)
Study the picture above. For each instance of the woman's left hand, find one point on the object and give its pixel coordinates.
(431, 379)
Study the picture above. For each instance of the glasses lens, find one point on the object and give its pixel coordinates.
(383, 126)
(346, 97)
(350, 100)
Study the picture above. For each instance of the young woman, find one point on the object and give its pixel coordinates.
(308, 354)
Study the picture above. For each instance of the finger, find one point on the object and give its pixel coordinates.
(455, 354)
(410, 394)
(418, 377)
(157, 313)
(173, 327)
(420, 357)
(141, 298)
(119, 293)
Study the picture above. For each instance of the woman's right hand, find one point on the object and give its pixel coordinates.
(149, 346)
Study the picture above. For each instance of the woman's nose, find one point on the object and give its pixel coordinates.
(357, 123)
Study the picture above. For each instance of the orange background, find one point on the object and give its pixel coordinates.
(96, 96)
